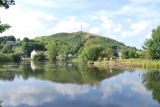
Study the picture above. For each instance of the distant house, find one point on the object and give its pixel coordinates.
(71, 56)
(119, 52)
(11, 42)
(34, 52)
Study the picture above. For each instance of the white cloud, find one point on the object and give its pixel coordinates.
(94, 30)
(118, 28)
(70, 25)
(43, 3)
(34, 95)
(56, 3)
(107, 24)
(145, 1)
(25, 23)
(136, 28)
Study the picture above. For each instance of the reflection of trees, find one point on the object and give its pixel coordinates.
(7, 75)
(7, 71)
(95, 75)
(151, 81)
(65, 72)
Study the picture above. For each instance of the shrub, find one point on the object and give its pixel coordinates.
(4, 58)
(16, 57)
(39, 56)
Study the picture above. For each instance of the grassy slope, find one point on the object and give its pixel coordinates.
(77, 39)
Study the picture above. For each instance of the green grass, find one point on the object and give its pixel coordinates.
(137, 63)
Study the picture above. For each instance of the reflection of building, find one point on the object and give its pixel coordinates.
(33, 66)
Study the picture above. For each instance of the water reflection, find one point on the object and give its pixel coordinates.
(151, 81)
(62, 73)
(69, 84)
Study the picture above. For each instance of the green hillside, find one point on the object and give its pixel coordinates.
(77, 40)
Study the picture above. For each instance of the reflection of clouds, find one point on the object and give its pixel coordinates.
(36, 95)
(70, 90)
(115, 85)
(136, 86)
(111, 88)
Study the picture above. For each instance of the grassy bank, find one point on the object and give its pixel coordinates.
(140, 63)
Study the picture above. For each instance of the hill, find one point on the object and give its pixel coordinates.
(76, 40)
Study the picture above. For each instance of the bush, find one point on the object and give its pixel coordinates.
(91, 53)
(16, 57)
(4, 58)
(39, 56)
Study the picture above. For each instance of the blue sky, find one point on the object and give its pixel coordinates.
(128, 21)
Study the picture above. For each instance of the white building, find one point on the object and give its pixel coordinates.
(33, 53)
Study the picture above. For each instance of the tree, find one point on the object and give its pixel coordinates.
(152, 45)
(93, 41)
(128, 53)
(52, 51)
(91, 53)
(7, 48)
(28, 45)
(6, 4)
(39, 56)
(4, 27)
(108, 52)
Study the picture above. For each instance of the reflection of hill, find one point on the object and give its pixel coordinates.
(62, 73)
(78, 74)
(151, 81)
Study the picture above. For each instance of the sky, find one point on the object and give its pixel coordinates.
(127, 21)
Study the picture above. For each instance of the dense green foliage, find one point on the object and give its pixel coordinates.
(76, 41)
(152, 46)
(16, 57)
(80, 43)
(108, 52)
(7, 48)
(28, 45)
(128, 52)
(91, 53)
(4, 39)
(4, 57)
(94, 49)
(39, 56)
(52, 51)
(4, 27)
(6, 3)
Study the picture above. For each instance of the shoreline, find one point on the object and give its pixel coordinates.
(127, 63)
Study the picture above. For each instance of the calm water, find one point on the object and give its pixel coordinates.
(47, 84)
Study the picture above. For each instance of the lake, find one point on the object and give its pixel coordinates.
(67, 84)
